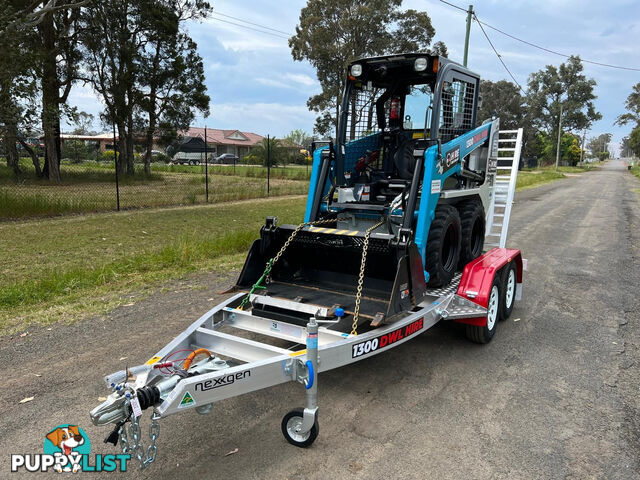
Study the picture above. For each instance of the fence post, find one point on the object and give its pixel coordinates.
(115, 162)
(268, 165)
(206, 166)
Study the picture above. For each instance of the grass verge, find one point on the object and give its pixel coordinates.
(529, 178)
(67, 268)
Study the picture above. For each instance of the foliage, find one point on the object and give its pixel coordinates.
(276, 153)
(633, 106)
(634, 141)
(599, 146)
(502, 99)
(566, 86)
(332, 33)
(75, 150)
(83, 122)
(171, 72)
(299, 137)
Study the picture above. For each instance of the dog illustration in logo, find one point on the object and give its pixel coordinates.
(66, 439)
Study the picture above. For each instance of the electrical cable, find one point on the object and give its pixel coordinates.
(497, 54)
(548, 50)
(250, 28)
(251, 23)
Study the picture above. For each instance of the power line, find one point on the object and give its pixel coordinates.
(251, 23)
(250, 28)
(497, 54)
(548, 50)
(558, 53)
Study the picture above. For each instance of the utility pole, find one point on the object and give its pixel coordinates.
(584, 134)
(559, 137)
(466, 39)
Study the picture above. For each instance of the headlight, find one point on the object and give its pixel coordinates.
(356, 70)
(420, 65)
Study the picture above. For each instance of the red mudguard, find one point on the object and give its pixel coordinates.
(478, 275)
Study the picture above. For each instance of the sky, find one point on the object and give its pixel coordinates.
(255, 85)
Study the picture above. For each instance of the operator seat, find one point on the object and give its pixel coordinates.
(403, 160)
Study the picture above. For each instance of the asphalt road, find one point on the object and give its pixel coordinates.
(554, 395)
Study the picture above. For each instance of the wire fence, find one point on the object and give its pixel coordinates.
(92, 186)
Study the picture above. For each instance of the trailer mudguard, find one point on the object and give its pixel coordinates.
(478, 275)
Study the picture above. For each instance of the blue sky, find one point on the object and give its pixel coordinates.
(255, 85)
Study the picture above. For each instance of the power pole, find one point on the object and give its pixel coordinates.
(466, 39)
(559, 137)
(584, 134)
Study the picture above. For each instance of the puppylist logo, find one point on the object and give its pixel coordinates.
(67, 449)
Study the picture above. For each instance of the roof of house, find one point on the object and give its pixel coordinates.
(225, 137)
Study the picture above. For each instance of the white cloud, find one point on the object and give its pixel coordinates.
(275, 119)
(301, 78)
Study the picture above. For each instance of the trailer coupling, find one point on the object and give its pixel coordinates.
(139, 388)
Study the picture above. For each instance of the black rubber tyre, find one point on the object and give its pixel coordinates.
(443, 246)
(197, 163)
(472, 222)
(485, 334)
(508, 297)
(289, 422)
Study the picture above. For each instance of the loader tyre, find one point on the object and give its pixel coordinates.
(472, 222)
(485, 333)
(443, 246)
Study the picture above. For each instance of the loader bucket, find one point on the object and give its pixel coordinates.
(322, 268)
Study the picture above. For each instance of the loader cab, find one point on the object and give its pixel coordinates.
(393, 109)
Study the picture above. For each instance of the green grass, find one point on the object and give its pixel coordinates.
(90, 187)
(66, 268)
(529, 178)
(636, 170)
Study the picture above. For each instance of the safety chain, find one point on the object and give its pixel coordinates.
(135, 447)
(267, 271)
(363, 262)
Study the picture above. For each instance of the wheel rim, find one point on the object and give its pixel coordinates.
(511, 288)
(293, 430)
(492, 311)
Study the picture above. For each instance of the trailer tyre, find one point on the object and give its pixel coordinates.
(509, 279)
(484, 334)
(443, 246)
(472, 222)
(292, 422)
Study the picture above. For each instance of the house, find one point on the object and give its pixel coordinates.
(225, 141)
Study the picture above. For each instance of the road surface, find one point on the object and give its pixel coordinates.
(554, 395)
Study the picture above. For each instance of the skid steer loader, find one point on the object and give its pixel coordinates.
(391, 244)
(396, 204)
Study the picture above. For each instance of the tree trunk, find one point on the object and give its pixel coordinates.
(33, 155)
(50, 99)
(10, 139)
(148, 152)
(129, 145)
(122, 161)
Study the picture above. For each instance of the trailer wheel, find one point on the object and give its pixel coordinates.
(443, 246)
(485, 334)
(508, 291)
(291, 424)
(472, 222)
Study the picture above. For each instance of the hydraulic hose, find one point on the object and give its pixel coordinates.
(192, 355)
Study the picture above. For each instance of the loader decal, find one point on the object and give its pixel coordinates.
(387, 339)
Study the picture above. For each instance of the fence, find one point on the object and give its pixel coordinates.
(92, 186)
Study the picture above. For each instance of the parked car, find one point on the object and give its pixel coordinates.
(228, 158)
